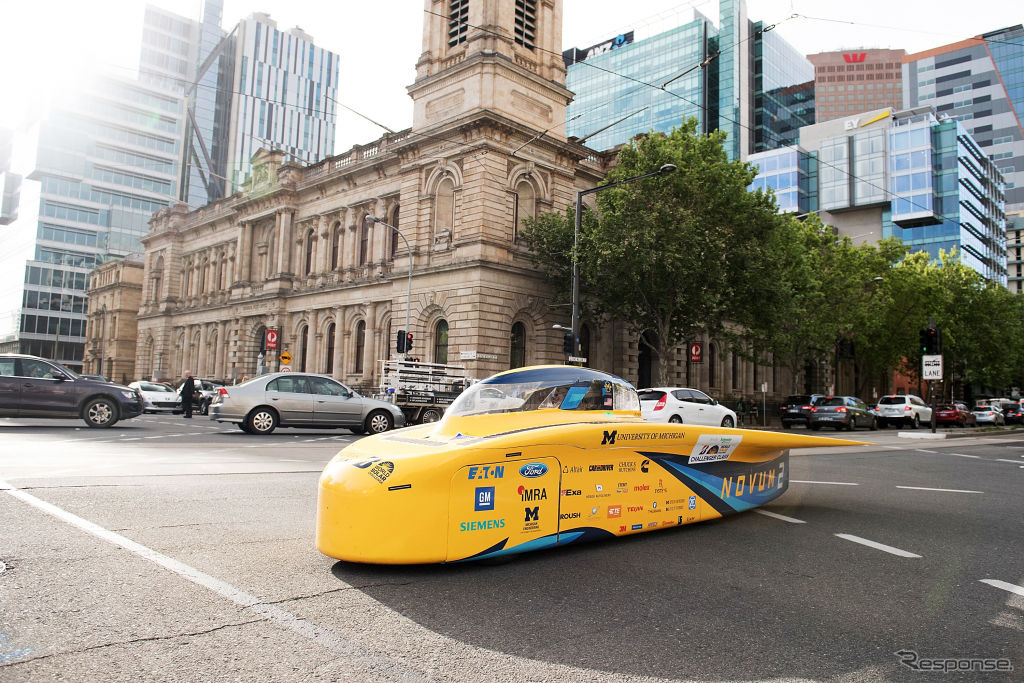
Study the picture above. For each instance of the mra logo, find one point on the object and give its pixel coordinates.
(609, 437)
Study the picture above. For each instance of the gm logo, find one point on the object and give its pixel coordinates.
(484, 498)
(609, 437)
(532, 514)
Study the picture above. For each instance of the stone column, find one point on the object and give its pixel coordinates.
(284, 241)
(323, 241)
(379, 234)
(223, 353)
(351, 226)
(244, 254)
(339, 343)
(201, 360)
(369, 344)
(311, 353)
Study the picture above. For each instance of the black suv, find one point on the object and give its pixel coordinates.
(35, 387)
(796, 409)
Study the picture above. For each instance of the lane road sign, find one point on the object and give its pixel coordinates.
(286, 357)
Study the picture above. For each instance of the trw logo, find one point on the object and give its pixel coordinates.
(854, 57)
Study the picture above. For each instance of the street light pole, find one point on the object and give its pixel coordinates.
(575, 324)
(408, 293)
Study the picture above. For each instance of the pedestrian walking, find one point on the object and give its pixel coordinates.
(188, 390)
(740, 410)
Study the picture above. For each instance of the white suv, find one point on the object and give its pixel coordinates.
(903, 409)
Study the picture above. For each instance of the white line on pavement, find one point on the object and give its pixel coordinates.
(921, 450)
(833, 483)
(1015, 462)
(965, 455)
(1011, 587)
(877, 546)
(784, 518)
(246, 600)
(922, 488)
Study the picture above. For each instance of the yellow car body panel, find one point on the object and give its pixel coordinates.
(485, 485)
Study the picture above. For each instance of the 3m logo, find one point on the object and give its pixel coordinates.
(854, 57)
(609, 437)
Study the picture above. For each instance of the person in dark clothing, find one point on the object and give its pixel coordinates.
(188, 390)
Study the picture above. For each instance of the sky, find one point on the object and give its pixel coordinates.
(43, 44)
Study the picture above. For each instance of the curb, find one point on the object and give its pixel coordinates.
(921, 435)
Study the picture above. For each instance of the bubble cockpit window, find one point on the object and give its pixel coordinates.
(557, 388)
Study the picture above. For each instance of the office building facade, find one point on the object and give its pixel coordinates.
(908, 174)
(980, 83)
(852, 81)
(105, 162)
(737, 77)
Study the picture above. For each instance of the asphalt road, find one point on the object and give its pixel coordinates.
(172, 549)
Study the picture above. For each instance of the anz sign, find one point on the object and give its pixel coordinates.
(575, 55)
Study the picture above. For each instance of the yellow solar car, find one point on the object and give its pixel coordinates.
(535, 458)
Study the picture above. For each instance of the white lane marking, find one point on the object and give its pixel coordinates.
(245, 600)
(1015, 462)
(1011, 587)
(833, 483)
(965, 455)
(922, 488)
(921, 450)
(784, 518)
(877, 546)
(894, 448)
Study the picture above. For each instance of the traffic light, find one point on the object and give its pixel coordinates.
(400, 341)
(931, 342)
(408, 342)
(568, 343)
(923, 342)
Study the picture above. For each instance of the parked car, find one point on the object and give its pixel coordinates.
(841, 412)
(205, 391)
(292, 399)
(955, 414)
(157, 398)
(35, 387)
(796, 409)
(905, 409)
(986, 412)
(1011, 412)
(680, 404)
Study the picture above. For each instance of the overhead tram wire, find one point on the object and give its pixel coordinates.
(908, 30)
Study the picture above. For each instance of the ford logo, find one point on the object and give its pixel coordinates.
(533, 470)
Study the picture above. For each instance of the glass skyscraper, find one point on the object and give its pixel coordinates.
(738, 78)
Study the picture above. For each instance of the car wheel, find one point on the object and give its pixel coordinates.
(378, 422)
(786, 424)
(874, 424)
(728, 422)
(204, 409)
(676, 420)
(916, 422)
(430, 415)
(100, 412)
(244, 427)
(261, 421)
(814, 427)
(850, 426)
(357, 430)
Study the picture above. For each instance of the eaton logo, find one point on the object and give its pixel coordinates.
(487, 472)
(484, 499)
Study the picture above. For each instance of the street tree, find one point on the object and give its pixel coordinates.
(672, 257)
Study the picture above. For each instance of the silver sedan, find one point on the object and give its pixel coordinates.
(292, 399)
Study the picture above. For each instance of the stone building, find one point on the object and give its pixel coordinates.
(296, 253)
(115, 294)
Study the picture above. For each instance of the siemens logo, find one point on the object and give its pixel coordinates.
(482, 525)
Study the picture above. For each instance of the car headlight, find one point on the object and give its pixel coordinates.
(129, 394)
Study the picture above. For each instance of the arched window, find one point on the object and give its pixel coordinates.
(330, 349)
(517, 350)
(395, 239)
(444, 207)
(364, 241)
(712, 365)
(585, 343)
(303, 347)
(336, 238)
(360, 344)
(309, 253)
(441, 342)
(526, 206)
